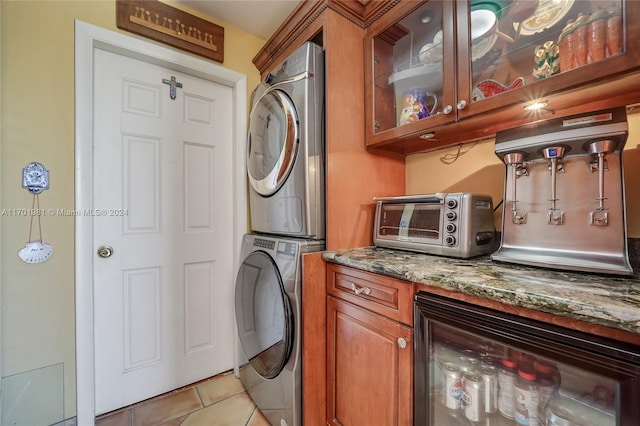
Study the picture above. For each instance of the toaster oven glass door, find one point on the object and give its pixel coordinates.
(411, 221)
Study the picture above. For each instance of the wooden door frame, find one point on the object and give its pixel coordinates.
(87, 38)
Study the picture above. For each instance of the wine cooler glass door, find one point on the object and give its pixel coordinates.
(478, 366)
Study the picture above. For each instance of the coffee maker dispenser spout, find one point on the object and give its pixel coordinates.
(553, 154)
(600, 149)
(515, 161)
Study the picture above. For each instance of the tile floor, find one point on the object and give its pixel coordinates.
(218, 401)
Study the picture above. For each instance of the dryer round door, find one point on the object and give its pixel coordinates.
(264, 315)
(272, 142)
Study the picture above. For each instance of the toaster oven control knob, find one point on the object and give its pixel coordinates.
(452, 203)
(450, 240)
(451, 227)
(451, 215)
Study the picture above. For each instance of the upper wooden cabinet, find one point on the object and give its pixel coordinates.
(440, 72)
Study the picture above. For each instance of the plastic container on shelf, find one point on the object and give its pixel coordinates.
(548, 377)
(614, 30)
(507, 374)
(565, 42)
(527, 395)
(581, 40)
(597, 40)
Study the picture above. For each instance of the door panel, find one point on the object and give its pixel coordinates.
(142, 319)
(162, 168)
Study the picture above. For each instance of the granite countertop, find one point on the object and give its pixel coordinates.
(610, 301)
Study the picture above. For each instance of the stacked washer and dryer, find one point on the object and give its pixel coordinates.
(285, 166)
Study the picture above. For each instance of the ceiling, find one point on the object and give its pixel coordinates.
(258, 17)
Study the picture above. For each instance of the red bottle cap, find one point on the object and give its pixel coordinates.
(527, 375)
(510, 363)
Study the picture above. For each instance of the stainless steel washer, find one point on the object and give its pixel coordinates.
(268, 316)
(285, 155)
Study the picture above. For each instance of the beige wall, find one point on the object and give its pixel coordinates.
(37, 115)
(478, 169)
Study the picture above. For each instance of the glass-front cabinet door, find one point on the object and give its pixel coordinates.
(411, 79)
(475, 366)
(537, 46)
(436, 62)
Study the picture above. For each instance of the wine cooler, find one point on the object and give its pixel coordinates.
(478, 366)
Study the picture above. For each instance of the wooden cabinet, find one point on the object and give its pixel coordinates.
(436, 75)
(369, 349)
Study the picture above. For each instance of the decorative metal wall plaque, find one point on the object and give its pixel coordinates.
(166, 24)
(35, 178)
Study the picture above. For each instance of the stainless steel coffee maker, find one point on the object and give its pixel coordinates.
(564, 205)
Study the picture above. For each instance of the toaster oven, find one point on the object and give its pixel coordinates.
(447, 224)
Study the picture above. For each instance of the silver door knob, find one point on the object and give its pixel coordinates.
(105, 251)
(402, 342)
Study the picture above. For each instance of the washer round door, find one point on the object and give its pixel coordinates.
(264, 315)
(272, 142)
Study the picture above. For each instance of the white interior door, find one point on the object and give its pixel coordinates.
(162, 197)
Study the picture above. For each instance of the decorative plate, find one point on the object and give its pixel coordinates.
(482, 46)
(430, 53)
(35, 178)
(437, 38)
(548, 13)
(487, 88)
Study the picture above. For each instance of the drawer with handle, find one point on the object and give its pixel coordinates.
(386, 296)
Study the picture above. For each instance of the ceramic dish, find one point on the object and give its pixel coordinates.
(482, 46)
(547, 14)
(487, 88)
(430, 53)
(484, 18)
(437, 38)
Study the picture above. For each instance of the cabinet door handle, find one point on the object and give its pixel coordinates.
(461, 104)
(402, 342)
(447, 109)
(359, 290)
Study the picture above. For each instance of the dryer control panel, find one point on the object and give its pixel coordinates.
(265, 244)
(286, 249)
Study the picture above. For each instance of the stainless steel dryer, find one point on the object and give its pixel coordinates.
(268, 315)
(285, 156)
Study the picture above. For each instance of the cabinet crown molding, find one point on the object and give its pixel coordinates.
(360, 12)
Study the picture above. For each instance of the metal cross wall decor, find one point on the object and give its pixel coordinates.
(172, 86)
